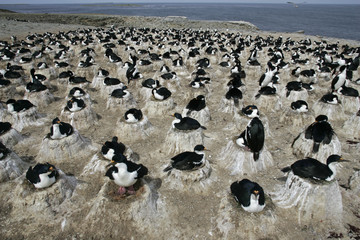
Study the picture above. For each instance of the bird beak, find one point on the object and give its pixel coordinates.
(51, 169)
(256, 192)
(344, 160)
(58, 122)
(111, 163)
(206, 149)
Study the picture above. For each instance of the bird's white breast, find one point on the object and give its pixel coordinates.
(254, 205)
(45, 180)
(56, 132)
(123, 177)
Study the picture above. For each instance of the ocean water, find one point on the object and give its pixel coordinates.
(330, 20)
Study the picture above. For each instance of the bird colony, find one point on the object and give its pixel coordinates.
(178, 134)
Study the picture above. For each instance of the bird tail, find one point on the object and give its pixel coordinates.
(168, 168)
(203, 127)
(316, 147)
(236, 102)
(142, 171)
(287, 93)
(256, 156)
(292, 145)
(257, 96)
(286, 169)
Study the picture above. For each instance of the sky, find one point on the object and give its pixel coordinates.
(174, 1)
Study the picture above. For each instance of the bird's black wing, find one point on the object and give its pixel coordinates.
(66, 128)
(255, 135)
(181, 156)
(186, 160)
(32, 176)
(329, 132)
(241, 191)
(310, 168)
(309, 131)
(187, 124)
(110, 171)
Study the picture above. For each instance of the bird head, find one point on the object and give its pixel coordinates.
(199, 148)
(118, 158)
(10, 101)
(335, 159)
(249, 110)
(200, 97)
(51, 168)
(177, 115)
(56, 121)
(321, 118)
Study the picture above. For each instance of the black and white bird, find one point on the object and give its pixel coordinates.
(133, 115)
(250, 195)
(112, 148)
(66, 74)
(235, 94)
(77, 80)
(42, 65)
(195, 104)
(185, 123)
(314, 169)
(293, 86)
(255, 136)
(112, 56)
(42, 175)
(11, 67)
(61, 64)
(76, 92)
(39, 77)
(348, 91)
(340, 79)
(330, 98)
(161, 93)
(75, 104)
(35, 86)
(150, 83)
(266, 91)
(300, 106)
(319, 131)
(125, 174)
(109, 81)
(250, 111)
(120, 92)
(267, 77)
(188, 160)
(102, 73)
(16, 106)
(132, 73)
(59, 129)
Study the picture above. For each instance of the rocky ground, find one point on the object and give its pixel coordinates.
(82, 203)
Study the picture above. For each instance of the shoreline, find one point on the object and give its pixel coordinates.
(21, 24)
(103, 20)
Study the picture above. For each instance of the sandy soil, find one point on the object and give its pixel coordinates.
(83, 205)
